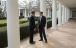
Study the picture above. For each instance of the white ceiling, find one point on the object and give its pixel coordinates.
(69, 3)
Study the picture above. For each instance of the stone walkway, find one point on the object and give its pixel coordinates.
(63, 37)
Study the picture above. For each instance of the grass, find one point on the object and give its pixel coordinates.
(24, 32)
(2, 21)
(24, 24)
(5, 21)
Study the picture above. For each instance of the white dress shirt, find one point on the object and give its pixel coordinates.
(40, 18)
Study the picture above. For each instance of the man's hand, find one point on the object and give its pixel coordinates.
(34, 29)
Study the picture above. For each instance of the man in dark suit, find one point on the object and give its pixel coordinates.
(32, 27)
(41, 25)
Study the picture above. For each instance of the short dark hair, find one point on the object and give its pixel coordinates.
(32, 12)
(41, 12)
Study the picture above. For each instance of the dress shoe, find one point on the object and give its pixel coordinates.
(32, 42)
(46, 42)
(40, 40)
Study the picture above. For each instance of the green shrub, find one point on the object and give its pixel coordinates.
(24, 32)
(2, 17)
(36, 18)
(20, 17)
(48, 18)
(3, 24)
(49, 23)
(21, 22)
(3, 37)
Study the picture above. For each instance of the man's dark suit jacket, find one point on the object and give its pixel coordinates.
(42, 23)
(31, 23)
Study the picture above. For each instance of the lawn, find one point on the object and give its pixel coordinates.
(4, 21)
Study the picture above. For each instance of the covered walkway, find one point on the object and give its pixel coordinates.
(63, 37)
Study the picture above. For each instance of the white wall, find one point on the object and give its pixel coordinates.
(37, 14)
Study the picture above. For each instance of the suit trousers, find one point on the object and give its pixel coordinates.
(42, 33)
(31, 35)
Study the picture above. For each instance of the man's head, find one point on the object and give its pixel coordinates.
(41, 13)
(33, 13)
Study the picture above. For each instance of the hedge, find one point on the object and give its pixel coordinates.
(3, 18)
(49, 23)
(36, 18)
(21, 22)
(49, 18)
(20, 17)
(24, 32)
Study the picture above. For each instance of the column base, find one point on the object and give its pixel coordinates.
(63, 23)
(21, 47)
(55, 28)
(46, 31)
(59, 25)
(25, 16)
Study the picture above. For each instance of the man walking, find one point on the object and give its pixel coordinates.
(41, 25)
(32, 27)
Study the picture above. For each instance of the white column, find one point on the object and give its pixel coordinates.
(19, 12)
(60, 16)
(43, 9)
(48, 13)
(25, 12)
(5, 13)
(63, 15)
(43, 6)
(70, 13)
(1, 2)
(13, 32)
(28, 15)
(54, 14)
(67, 14)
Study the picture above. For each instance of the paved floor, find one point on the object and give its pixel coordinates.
(63, 37)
